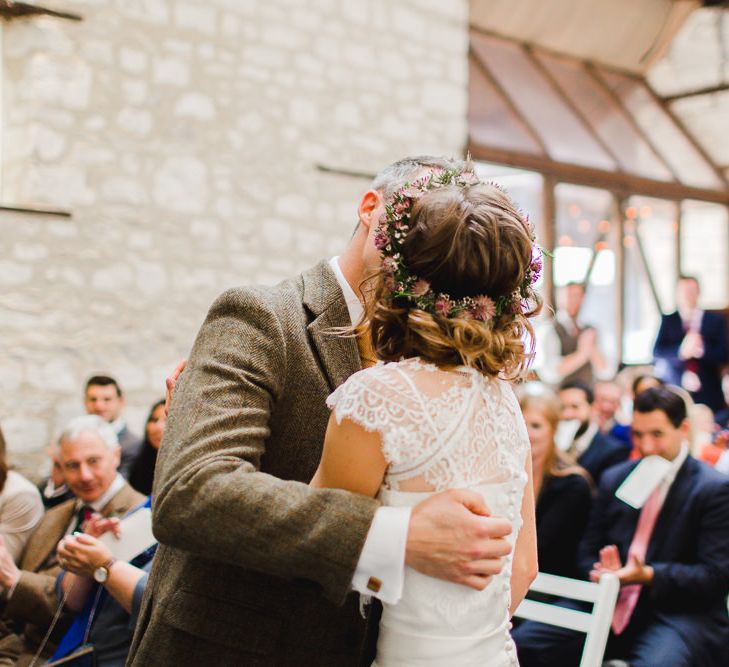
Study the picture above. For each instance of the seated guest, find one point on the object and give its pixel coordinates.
(671, 556)
(54, 489)
(563, 490)
(88, 452)
(21, 508)
(110, 615)
(702, 431)
(594, 451)
(103, 397)
(142, 473)
(605, 407)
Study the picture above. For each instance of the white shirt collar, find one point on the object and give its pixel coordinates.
(118, 425)
(354, 305)
(584, 441)
(114, 488)
(676, 464)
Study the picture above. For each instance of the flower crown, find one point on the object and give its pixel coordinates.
(394, 226)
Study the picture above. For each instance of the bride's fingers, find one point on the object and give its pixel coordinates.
(477, 582)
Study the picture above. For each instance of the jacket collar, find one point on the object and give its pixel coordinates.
(323, 298)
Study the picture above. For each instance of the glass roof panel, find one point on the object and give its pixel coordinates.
(606, 118)
(563, 134)
(668, 138)
(491, 122)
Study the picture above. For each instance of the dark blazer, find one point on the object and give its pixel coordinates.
(688, 550)
(253, 564)
(563, 507)
(130, 445)
(602, 453)
(716, 354)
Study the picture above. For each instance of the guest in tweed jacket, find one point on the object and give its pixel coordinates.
(254, 567)
(89, 455)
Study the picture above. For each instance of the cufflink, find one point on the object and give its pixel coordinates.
(374, 584)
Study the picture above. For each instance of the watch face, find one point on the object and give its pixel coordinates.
(101, 574)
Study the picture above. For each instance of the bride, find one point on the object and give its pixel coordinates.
(446, 318)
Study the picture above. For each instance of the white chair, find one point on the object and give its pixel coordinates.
(595, 624)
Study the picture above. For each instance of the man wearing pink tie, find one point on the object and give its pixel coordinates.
(671, 556)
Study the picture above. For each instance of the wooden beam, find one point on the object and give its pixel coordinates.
(9, 10)
(597, 178)
(35, 211)
(696, 93)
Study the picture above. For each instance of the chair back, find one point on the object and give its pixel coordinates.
(595, 624)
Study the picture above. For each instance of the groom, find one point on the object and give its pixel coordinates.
(254, 567)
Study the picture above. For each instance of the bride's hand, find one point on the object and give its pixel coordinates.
(451, 536)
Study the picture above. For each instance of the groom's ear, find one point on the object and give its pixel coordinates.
(368, 209)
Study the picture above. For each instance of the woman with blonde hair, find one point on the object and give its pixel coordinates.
(446, 318)
(562, 488)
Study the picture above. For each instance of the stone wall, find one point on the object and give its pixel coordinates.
(184, 138)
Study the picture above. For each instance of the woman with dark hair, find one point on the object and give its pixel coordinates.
(21, 507)
(448, 312)
(562, 488)
(142, 473)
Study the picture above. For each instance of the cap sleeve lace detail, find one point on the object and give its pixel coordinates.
(453, 428)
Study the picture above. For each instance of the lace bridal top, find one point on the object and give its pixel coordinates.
(443, 430)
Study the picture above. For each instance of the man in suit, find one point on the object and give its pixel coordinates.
(691, 347)
(103, 397)
(671, 556)
(605, 407)
(255, 567)
(88, 452)
(593, 450)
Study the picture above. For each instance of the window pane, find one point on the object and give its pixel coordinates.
(641, 313)
(657, 226)
(609, 122)
(705, 250)
(490, 120)
(585, 228)
(669, 140)
(562, 132)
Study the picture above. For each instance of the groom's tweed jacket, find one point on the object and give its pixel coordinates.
(252, 563)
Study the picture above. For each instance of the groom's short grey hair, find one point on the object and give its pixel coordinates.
(89, 424)
(408, 169)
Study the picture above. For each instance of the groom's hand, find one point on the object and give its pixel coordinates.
(451, 536)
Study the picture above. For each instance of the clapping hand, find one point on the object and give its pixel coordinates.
(692, 346)
(97, 525)
(634, 572)
(9, 572)
(82, 554)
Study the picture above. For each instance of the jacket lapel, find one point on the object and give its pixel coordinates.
(673, 505)
(338, 355)
(124, 500)
(46, 537)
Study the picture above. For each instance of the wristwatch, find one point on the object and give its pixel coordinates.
(101, 574)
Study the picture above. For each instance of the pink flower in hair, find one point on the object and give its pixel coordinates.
(421, 287)
(389, 266)
(443, 305)
(483, 308)
(401, 206)
(381, 239)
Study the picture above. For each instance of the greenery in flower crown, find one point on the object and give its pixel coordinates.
(394, 226)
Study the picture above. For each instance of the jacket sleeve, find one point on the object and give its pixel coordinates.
(34, 598)
(666, 347)
(696, 584)
(716, 346)
(209, 496)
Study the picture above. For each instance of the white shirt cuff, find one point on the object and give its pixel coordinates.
(381, 567)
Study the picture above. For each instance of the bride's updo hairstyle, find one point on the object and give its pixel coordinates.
(473, 253)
